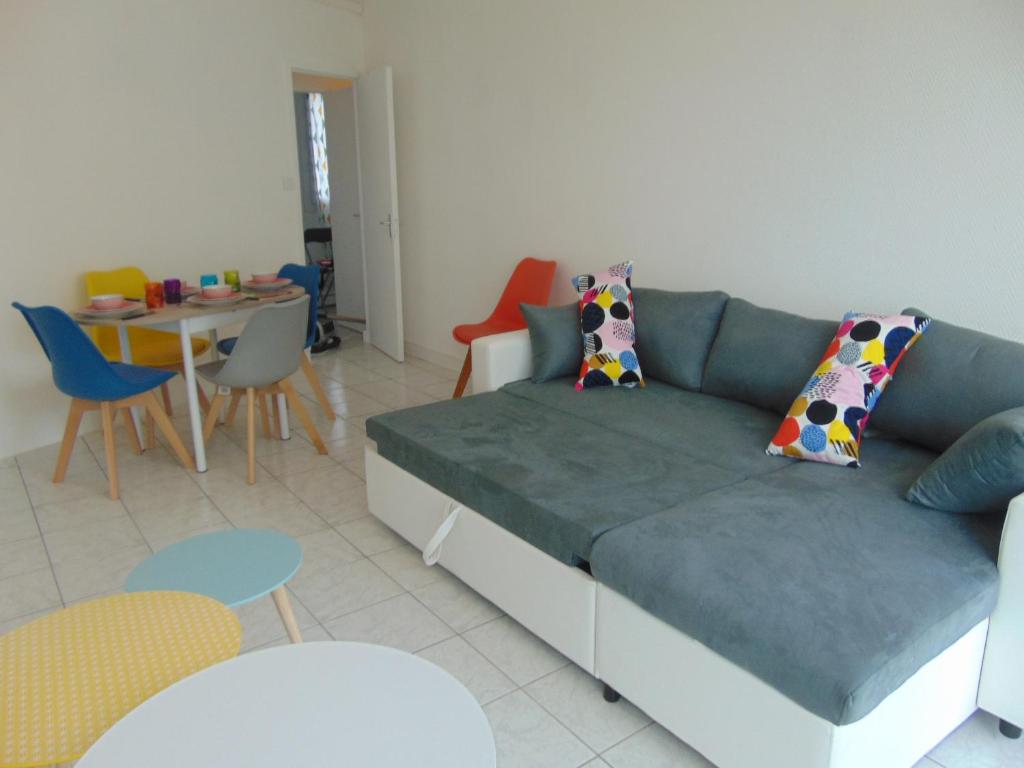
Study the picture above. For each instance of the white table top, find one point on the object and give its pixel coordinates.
(313, 705)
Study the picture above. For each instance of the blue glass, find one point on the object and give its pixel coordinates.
(208, 280)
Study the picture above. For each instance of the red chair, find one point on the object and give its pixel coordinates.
(530, 284)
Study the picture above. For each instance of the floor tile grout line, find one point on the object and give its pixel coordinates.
(651, 724)
(558, 720)
(120, 501)
(42, 537)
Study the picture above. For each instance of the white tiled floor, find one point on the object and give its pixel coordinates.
(64, 543)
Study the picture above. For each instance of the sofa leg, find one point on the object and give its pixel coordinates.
(610, 694)
(1009, 730)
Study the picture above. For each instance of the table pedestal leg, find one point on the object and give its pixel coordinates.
(282, 414)
(126, 357)
(284, 607)
(194, 414)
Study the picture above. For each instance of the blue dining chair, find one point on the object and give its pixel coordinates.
(308, 278)
(94, 384)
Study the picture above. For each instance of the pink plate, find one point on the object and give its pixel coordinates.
(106, 310)
(273, 285)
(126, 309)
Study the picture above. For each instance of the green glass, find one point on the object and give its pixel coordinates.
(231, 278)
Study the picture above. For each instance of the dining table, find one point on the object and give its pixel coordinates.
(187, 318)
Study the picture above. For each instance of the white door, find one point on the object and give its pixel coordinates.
(375, 135)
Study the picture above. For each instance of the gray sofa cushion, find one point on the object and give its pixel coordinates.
(952, 379)
(826, 584)
(547, 477)
(674, 332)
(721, 432)
(556, 343)
(980, 472)
(764, 356)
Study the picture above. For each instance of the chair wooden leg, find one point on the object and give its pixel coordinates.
(168, 430)
(296, 403)
(107, 415)
(264, 415)
(150, 431)
(467, 369)
(250, 429)
(75, 412)
(204, 401)
(165, 390)
(211, 415)
(284, 608)
(133, 436)
(318, 388)
(236, 398)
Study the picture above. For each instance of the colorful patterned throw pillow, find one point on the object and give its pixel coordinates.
(827, 420)
(606, 320)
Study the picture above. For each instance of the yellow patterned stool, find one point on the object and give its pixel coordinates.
(67, 677)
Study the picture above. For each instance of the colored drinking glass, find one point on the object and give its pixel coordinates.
(231, 278)
(207, 280)
(154, 295)
(172, 291)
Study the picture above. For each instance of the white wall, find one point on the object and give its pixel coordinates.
(815, 155)
(340, 120)
(156, 133)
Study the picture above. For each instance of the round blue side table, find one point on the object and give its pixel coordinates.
(234, 567)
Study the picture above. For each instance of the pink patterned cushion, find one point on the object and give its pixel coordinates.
(606, 319)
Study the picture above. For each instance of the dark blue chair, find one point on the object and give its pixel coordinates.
(308, 277)
(94, 384)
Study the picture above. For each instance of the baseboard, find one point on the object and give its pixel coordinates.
(442, 359)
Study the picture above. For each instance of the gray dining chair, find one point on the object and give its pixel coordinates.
(267, 352)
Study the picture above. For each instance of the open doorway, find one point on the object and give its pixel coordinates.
(325, 127)
(348, 180)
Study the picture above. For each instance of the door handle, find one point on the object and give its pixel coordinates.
(389, 222)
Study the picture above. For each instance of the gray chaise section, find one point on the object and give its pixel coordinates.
(821, 581)
(549, 478)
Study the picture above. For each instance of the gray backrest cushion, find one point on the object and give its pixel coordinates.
(980, 472)
(556, 342)
(674, 332)
(763, 356)
(949, 381)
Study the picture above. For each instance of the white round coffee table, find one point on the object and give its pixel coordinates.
(316, 705)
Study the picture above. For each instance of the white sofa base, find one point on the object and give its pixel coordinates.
(723, 711)
(552, 600)
(736, 720)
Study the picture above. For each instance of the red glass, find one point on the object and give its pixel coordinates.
(154, 295)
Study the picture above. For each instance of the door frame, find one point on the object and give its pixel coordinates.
(297, 174)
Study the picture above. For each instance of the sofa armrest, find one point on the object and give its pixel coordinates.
(499, 359)
(1002, 677)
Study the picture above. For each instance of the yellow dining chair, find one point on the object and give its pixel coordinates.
(154, 349)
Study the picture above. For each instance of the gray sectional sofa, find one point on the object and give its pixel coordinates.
(818, 589)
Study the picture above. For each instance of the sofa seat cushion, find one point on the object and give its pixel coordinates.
(724, 433)
(824, 583)
(551, 479)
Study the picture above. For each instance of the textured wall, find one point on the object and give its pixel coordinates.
(818, 155)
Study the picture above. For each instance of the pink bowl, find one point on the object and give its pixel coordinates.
(264, 277)
(219, 291)
(107, 301)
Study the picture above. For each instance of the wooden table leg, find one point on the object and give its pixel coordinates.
(284, 607)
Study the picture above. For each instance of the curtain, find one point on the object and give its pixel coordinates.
(318, 154)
